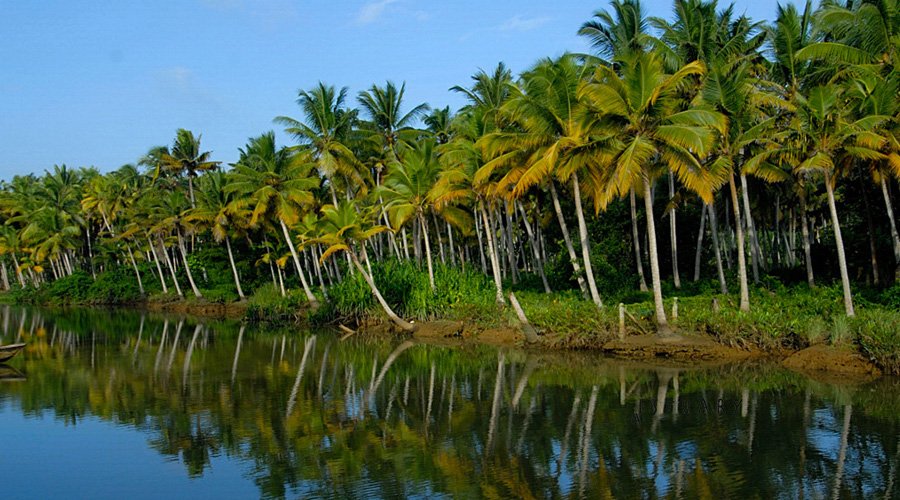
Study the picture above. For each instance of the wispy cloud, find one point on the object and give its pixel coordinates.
(372, 11)
(519, 23)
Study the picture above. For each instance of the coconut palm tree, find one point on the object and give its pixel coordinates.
(217, 212)
(642, 112)
(326, 128)
(345, 228)
(387, 124)
(278, 183)
(185, 157)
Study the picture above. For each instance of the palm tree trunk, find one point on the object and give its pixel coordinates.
(662, 324)
(636, 238)
(18, 271)
(191, 189)
(741, 257)
(895, 237)
(172, 270)
(585, 244)
(437, 232)
(495, 266)
(309, 295)
(804, 233)
(4, 275)
(452, 250)
(424, 226)
(714, 232)
(136, 271)
(839, 242)
(237, 279)
(406, 326)
(480, 243)
(751, 228)
(427, 250)
(280, 280)
(162, 277)
(510, 244)
(673, 233)
(568, 240)
(538, 264)
(873, 251)
(187, 268)
(699, 253)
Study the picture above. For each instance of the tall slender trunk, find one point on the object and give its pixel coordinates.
(510, 244)
(162, 277)
(663, 329)
(751, 229)
(437, 232)
(699, 253)
(4, 275)
(136, 271)
(191, 189)
(171, 269)
(585, 244)
(18, 271)
(804, 232)
(741, 257)
(568, 240)
(478, 232)
(452, 250)
(237, 278)
(673, 233)
(427, 250)
(309, 295)
(895, 237)
(839, 242)
(873, 251)
(714, 232)
(406, 326)
(495, 266)
(636, 238)
(538, 264)
(187, 268)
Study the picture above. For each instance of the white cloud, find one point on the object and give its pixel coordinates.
(519, 23)
(372, 11)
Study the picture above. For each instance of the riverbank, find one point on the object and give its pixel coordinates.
(784, 322)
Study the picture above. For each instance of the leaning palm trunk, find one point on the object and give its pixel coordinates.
(162, 277)
(18, 271)
(568, 240)
(662, 324)
(895, 237)
(136, 271)
(187, 268)
(741, 257)
(4, 275)
(309, 295)
(585, 244)
(636, 238)
(406, 326)
(699, 254)
(171, 266)
(839, 241)
(427, 250)
(237, 279)
(495, 266)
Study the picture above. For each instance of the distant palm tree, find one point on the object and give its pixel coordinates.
(387, 124)
(186, 158)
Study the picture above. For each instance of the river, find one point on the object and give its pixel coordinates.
(111, 404)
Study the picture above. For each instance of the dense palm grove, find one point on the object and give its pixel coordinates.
(705, 147)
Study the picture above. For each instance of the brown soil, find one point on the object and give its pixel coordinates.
(499, 336)
(828, 363)
(680, 348)
(232, 310)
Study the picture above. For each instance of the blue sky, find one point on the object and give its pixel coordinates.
(100, 82)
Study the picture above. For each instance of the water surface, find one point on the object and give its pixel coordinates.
(105, 404)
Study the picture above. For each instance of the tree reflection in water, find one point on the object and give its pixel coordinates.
(309, 414)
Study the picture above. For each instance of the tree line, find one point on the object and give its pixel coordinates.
(685, 115)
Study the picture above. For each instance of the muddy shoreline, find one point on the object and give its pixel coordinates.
(821, 362)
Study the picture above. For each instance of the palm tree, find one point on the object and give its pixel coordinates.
(217, 212)
(185, 158)
(553, 139)
(387, 123)
(275, 182)
(345, 228)
(640, 110)
(170, 211)
(408, 188)
(326, 129)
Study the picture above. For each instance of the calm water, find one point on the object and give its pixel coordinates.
(113, 404)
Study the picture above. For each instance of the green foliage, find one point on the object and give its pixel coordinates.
(267, 305)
